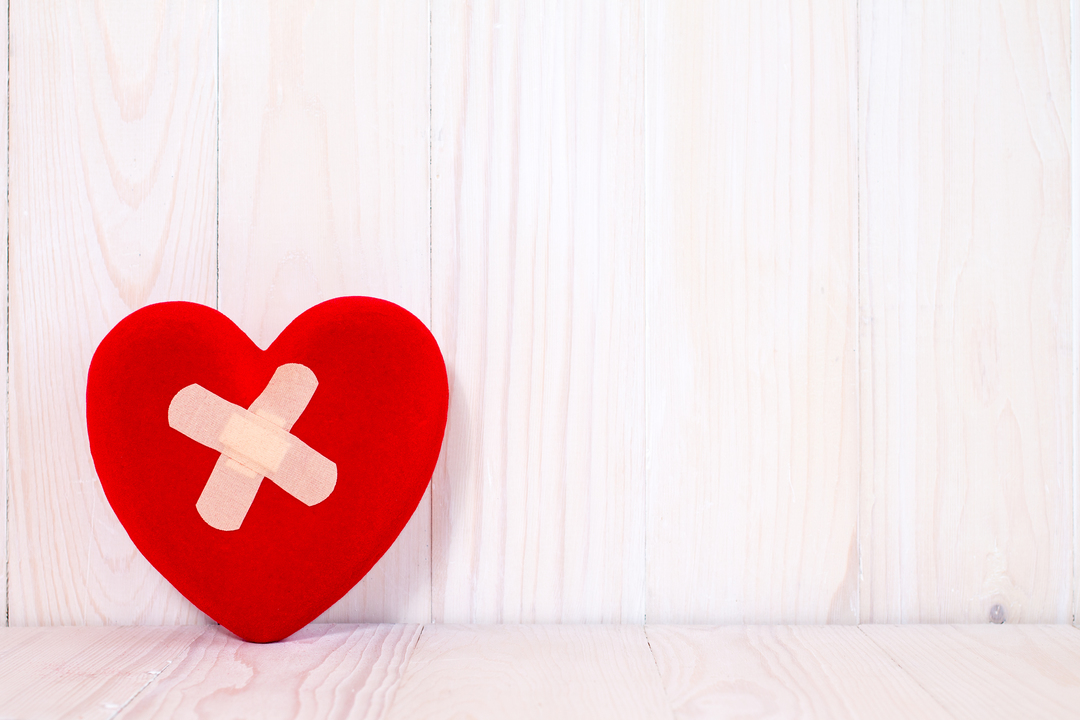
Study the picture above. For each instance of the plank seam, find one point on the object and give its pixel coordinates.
(217, 160)
(903, 670)
(7, 331)
(859, 239)
(1075, 210)
(430, 318)
(644, 15)
(659, 675)
(652, 654)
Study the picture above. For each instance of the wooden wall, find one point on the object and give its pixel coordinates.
(753, 312)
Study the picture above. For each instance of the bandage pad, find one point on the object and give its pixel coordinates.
(254, 443)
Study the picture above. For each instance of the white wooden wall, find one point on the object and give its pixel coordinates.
(753, 311)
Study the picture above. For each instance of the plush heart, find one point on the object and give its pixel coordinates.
(377, 415)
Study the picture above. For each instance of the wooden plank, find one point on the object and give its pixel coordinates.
(751, 299)
(323, 671)
(112, 193)
(990, 671)
(94, 672)
(5, 480)
(538, 504)
(968, 362)
(531, 671)
(1074, 136)
(971, 671)
(783, 671)
(324, 192)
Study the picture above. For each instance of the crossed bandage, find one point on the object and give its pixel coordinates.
(254, 443)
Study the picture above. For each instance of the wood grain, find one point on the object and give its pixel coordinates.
(712, 294)
(783, 671)
(83, 672)
(751, 298)
(324, 192)
(112, 193)
(323, 671)
(531, 671)
(5, 480)
(393, 671)
(967, 375)
(990, 671)
(538, 503)
(1074, 136)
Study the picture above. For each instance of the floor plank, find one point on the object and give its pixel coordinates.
(113, 204)
(324, 192)
(323, 671)
(751, 303)
(980, 672)
(990, 671)
(967, 295)
(538, 503)
(783, 672)
(531, 671)
(88, 672)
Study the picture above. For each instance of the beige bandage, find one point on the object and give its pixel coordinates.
(254, 443)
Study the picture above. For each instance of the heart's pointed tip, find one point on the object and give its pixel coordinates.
(263, 640)
(256, 639)
(262, 635)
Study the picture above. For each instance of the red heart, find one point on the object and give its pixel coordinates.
(378, 412)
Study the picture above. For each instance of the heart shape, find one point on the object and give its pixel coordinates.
(377, 415)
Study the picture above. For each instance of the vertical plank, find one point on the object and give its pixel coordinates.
(113, 200)
(324, 192)
(967, 407)
(751, 380)
(1074, 88)
(537, 234)
(5, 475)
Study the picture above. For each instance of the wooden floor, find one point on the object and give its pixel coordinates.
(538, 671)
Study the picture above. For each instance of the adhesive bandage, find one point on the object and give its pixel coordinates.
(254, 443)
